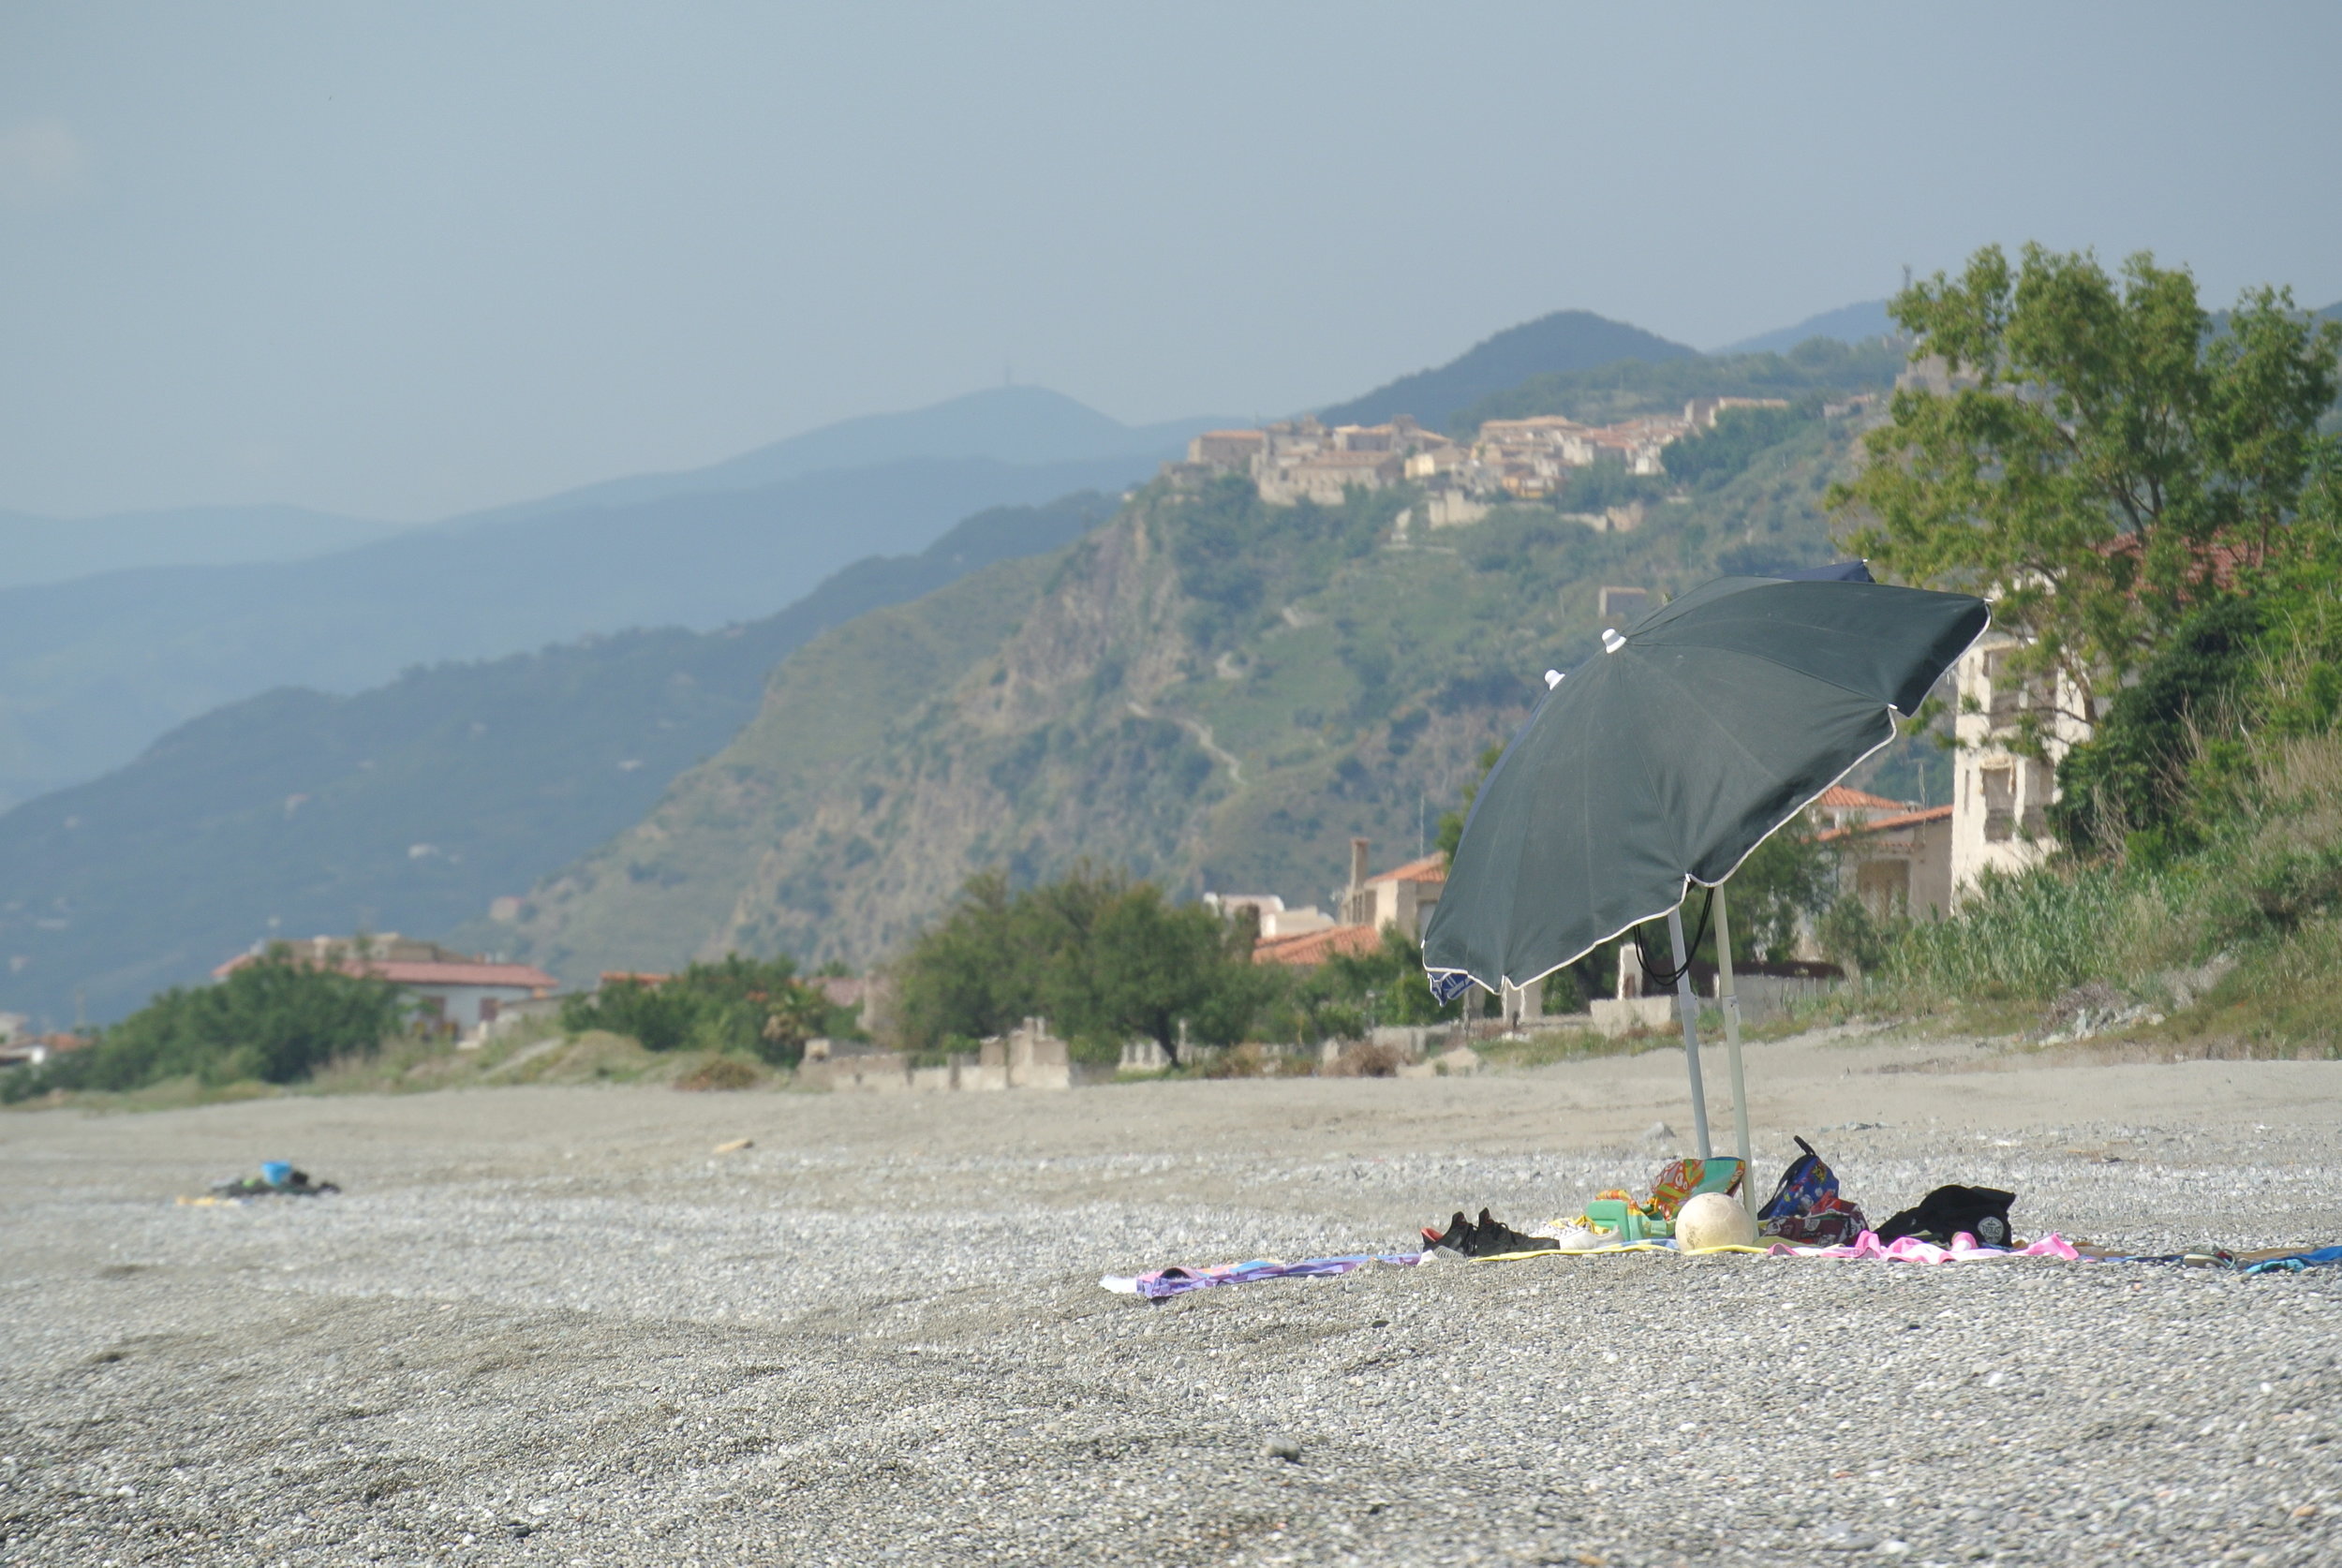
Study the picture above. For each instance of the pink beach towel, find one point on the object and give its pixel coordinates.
(1911, 1248)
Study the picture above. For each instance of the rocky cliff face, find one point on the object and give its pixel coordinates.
(1039, 755)
(1204, 690)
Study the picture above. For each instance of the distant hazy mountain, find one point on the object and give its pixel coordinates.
(1566, 340)
(411, 807)
(94, 670)
(1858, 323)
(1853, 323)
(1005, 424)
(52, 549)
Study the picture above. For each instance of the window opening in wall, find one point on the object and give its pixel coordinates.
(1999, 785)
(1884, 887)
(2041, 787)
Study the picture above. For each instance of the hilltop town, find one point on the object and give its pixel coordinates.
(1522, 459)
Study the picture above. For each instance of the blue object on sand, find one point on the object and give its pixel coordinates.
(278, 1172)
(2322, 1257)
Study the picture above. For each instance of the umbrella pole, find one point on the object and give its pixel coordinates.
(1689, 1006)
(1730, 1000)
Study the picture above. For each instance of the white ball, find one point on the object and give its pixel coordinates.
(1714, 1219)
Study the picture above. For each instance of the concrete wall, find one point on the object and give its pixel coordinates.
(1615, 1015)
(1999, 798)
(460, 1004)
(1026, 1059)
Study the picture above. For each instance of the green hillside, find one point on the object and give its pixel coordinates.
(1207, 691)
(662, 890)
(1568, 340)
(408, 807)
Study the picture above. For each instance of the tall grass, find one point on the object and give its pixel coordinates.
(2263, 897)
(2030, 935)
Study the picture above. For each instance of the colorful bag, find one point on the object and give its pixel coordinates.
(1679, 1179)
(1832, 1222)
(1807, 1209)
(1803, 1186)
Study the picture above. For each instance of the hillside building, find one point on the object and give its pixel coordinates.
(1404, 896)
(1701, 412)
(458, 989)
(2000, 797)
(1311, 948)
(1401, 897)
(1271, 917)
(1840, 806)
(1227, 451)
(1898, 864)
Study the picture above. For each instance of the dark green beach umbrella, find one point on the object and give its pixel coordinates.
(1664, 759)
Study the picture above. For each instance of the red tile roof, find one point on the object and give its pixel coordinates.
(1431, 869)
(410, 972)
(1315, 947)
(416, 973)
(1908, 819)
(1839, 798)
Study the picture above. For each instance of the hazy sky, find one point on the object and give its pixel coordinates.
(405, 259)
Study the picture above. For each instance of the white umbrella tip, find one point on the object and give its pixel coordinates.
(1552, 679)
(1611, 640)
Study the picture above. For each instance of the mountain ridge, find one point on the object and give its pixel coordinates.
(1563, 340)
(1850, 323)
(36, 548)
(1015, 425)
(411, 805)
(94, 670)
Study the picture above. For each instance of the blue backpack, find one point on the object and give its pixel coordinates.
(1803, 1186)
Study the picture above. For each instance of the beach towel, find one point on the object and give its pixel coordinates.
(1164, 1282)
(1910, 1249)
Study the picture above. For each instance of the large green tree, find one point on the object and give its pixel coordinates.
(2097, 453)
(1103, 957)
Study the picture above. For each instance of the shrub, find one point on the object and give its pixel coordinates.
(275, 1020)
(2132, 781)
(1853, 938)
(756, 1007)
(1366, 1061)
(718, 1072)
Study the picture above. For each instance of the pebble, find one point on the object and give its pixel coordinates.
(856, 1345)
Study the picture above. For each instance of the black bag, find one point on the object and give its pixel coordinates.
(1980, 1211)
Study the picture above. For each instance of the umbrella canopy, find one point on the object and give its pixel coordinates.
(1667, 758)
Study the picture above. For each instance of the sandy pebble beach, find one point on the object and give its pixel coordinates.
(552, 1325)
